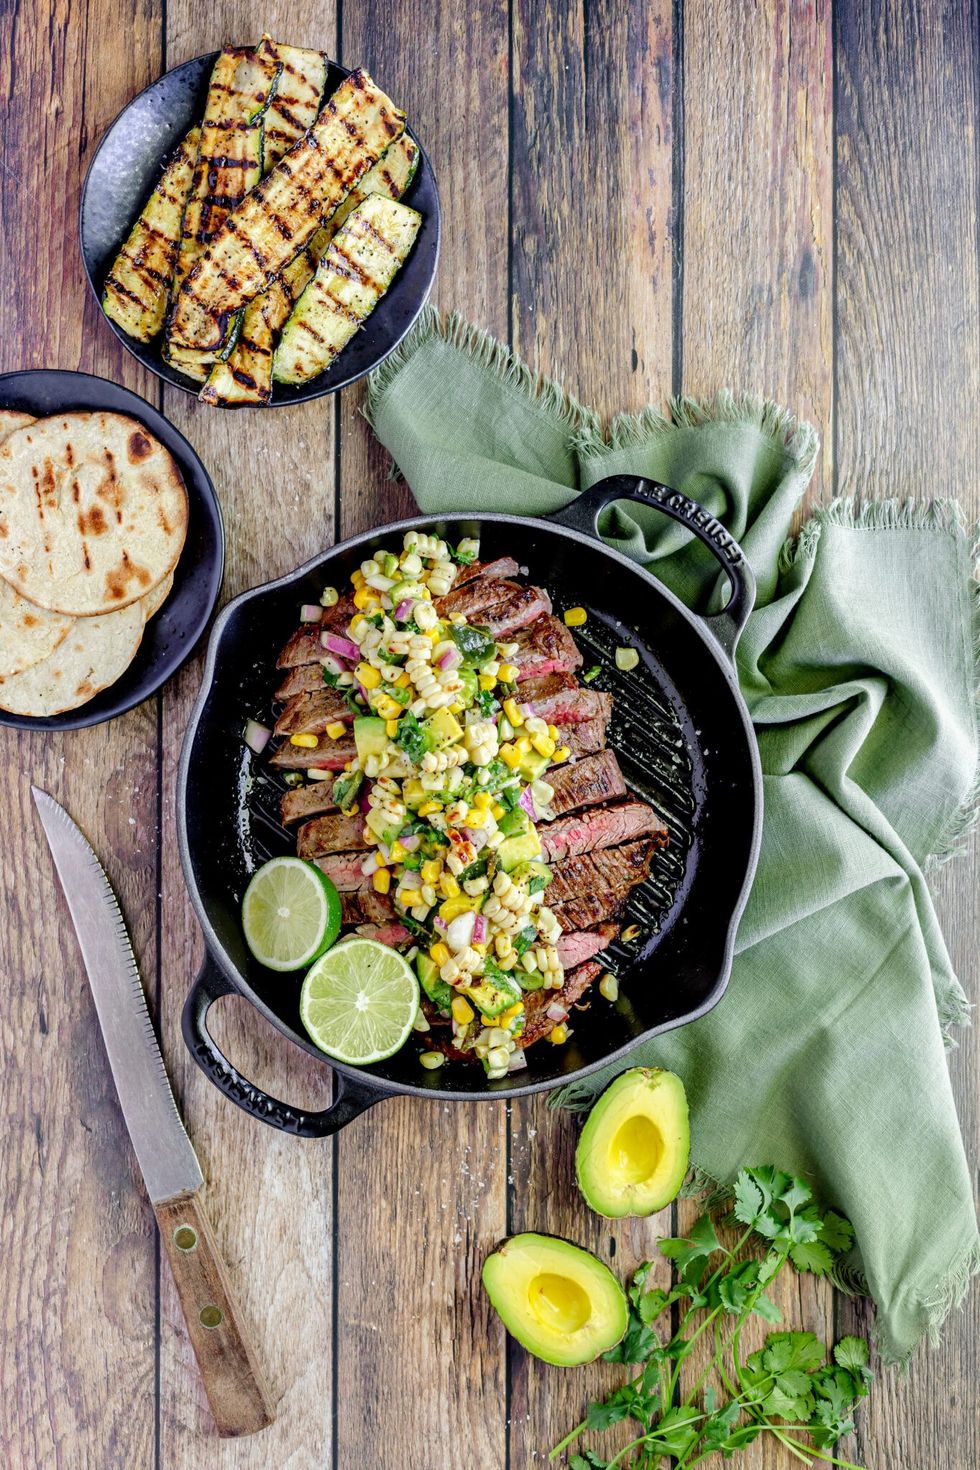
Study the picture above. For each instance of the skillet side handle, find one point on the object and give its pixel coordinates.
(350, 1098)
(582, 514)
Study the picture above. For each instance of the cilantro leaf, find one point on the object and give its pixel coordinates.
(811, 1256)
(852, 1352)
(836, 1233)
(588, 1460)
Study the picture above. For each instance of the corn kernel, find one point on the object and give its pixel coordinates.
(336, 729)
(632, 931)
(544, 745)
(453, 907)
(523, 745)
(510, 755)
(497, 811)
(391, 728)
(507, 673)
(455, 707)
(430, 870)
(553, 732)
(449, 885)
(439, 952)
(561, 754)
(431, 1060)
(368, 675)
(512, 1012)
(487, 681)
(329, 597)
(357, 578)
(403, 681)
(357, 623)
(381, 880)
(305, 742)
(609, 986)
(427, 808)
(434, 635)
(387, 708)
(366, 597)
(512, 712)
(463, 1012)
(479, 948)
(575, 617)
(558, 1034)
(397, 853)
(482, 800)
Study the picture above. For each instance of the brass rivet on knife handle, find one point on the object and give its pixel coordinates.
(235, 1386)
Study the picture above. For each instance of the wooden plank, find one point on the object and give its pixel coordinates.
(757, 298)
(421, 1187)
(908, 373)
(77, 1301)
(592, 240)
(269, 1196)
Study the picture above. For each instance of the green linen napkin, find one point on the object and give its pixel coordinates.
(826, 1056)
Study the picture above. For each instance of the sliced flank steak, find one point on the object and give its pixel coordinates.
(545, 647)
(584, 739)
(299, 680)
(594, 779)
(307, 801)
(311, 713)
(600, 827)
(559, 699)
(333, 833)
(574, 949)
(537, 1022)
(344, 871)
(613, 869)
(515, 611)
(328, 755)
(589, 909)
(365, 907)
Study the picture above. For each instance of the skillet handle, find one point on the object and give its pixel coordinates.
(350, 1098)
(582, 514)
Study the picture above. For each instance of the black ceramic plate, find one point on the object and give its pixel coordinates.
(170, 636)
(124, 171)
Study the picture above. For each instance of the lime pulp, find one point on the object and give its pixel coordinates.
(290, 914)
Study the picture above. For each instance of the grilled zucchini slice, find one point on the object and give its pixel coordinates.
(246, 375)
(284, 212)
(135, 292)
(297, 99)
(356, 271)
(229, 164)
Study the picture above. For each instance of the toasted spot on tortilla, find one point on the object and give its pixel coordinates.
(94, 523)
(139, 447)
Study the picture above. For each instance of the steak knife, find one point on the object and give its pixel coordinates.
(235, 1387)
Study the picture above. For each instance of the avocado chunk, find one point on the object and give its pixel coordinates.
(632, 1154)
(441, 729)
(522, 849)
(495, 994)
(436, 989)
(533, 765)
(560, 1303)
(370, 736)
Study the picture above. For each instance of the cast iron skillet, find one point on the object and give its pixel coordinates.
(680, 728)
(125, 169)
(171, 635)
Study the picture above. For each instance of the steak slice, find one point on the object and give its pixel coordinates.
(516, 610)
(311, 713)
(585, 739)
(587, 782)
(344, 871)
(611, 870)
(474, 596)
(545, 647)
(503, 566)
(591, 908)
(536, 1002)
(299, 679)
(604, 826)
(302, 647)
(307, 801)
(574, 949)
(558, 699)
(331, 755)
(333, 833)
(393, 934)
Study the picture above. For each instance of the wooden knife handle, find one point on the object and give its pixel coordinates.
(233, 1381)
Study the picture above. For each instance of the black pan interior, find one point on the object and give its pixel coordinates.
(677, 728)
(125, 169)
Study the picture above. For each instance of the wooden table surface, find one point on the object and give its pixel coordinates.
(642, 199)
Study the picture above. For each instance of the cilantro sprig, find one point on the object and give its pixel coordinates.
(790, 1387)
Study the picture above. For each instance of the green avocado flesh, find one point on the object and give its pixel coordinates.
(632, 1154)
(560, 1303)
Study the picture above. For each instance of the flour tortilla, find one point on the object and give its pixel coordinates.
(27, 633)
(92, 656)
(11, 419)
(153, 601)
(93, 512)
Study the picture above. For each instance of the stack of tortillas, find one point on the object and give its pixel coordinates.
(93, 516)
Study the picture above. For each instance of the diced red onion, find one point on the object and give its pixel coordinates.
(410, 880)
(370, 864)
(333, 665)
(361, 690)
(256, 736)
(555, 1012)
(335, 643)
(384, 850)
(526, 803)
(477, 836)
(403, 611)
(527, 710)
(518, 1062)
(310, 612)
(411, 842)
(479, 930)
(450, 659)
(440, 924)
(364, 804)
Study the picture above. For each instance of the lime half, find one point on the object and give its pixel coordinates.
(359, 1001)
(290, 913)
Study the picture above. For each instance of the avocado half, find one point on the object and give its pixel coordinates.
(633, 1152)
(560, 1303)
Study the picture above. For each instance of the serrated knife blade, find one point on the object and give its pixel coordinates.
(164, 1152)
(234, 1383)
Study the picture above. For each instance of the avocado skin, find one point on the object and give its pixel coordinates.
(509, 1272)
(640, 1093)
